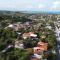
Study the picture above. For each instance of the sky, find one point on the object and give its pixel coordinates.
(30, 5)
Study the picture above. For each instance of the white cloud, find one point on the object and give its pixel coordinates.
(55, 6)
(41, 6)
(56, 3)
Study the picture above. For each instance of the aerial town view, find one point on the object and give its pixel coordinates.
(29, 30)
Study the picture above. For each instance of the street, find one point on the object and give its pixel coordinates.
(58, 50)
(58, 44)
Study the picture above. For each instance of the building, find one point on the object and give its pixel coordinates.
(29, 34)
(34, 58)
(38, 52)
(19, 45)
(43, 46)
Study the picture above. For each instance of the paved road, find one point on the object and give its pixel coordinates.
(58, 50)
(58, 45)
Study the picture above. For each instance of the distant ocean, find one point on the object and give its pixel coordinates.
(33, 12)
(42, 12)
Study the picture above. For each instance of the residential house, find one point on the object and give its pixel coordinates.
(43, 36)
(34, 58)
(38, 52)
(19, 45)
(15, 26)
(49, 27)
(29, 34)
(43, 46)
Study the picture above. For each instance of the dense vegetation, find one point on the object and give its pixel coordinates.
(8, 36)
